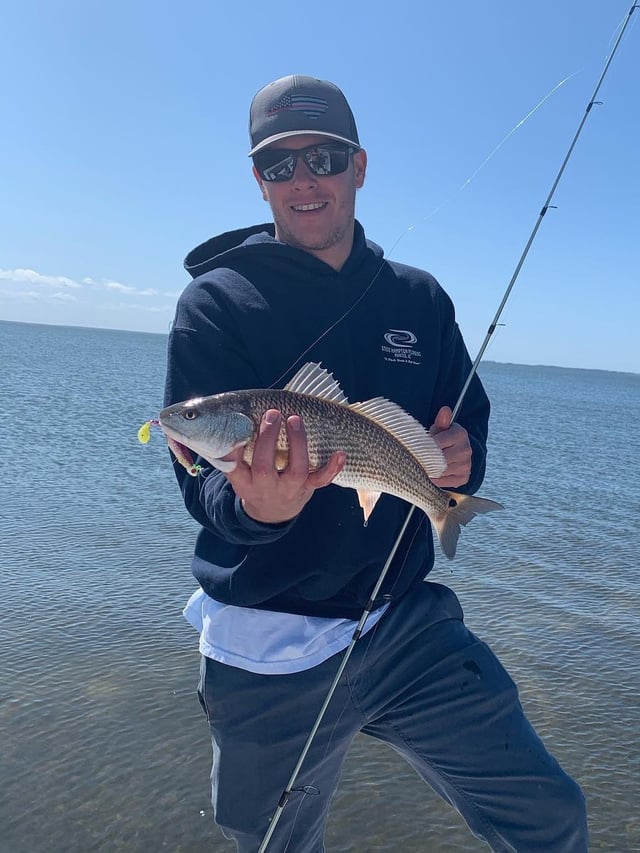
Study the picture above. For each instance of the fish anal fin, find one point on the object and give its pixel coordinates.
(314, 380)
(367, 501)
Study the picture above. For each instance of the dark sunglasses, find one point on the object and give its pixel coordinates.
(279, 164)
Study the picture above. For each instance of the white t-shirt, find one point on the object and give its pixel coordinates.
(266, 641)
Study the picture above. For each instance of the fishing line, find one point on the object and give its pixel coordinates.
(369, 606)
(541, 215)
(489, 156)
(421, 222)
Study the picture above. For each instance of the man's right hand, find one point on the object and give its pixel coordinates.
(273, 496)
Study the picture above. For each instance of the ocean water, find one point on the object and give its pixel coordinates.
(102, 743)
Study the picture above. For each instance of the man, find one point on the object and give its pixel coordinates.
(283, 559)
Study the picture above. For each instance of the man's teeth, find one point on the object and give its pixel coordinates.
(315, 206)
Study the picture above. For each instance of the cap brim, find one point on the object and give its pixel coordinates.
(276, 137)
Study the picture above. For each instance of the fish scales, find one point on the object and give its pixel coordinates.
(376, 460)
(387, 450)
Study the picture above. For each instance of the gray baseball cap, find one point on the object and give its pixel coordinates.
(295, 105)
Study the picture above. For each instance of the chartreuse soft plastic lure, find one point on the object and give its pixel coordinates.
(144, 434)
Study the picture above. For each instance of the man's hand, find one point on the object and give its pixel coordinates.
(454, 442)
(273, 496)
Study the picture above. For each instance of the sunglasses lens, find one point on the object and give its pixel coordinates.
(328, 160)
(280, 164)
(275, 165)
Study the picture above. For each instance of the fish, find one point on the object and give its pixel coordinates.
(387, 450)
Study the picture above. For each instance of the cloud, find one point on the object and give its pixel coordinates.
(33, 277)
(120, 288)
(21, 295)
(26, 276)
(126, 289)
(43, 297)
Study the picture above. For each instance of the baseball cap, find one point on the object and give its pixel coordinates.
(295, 105)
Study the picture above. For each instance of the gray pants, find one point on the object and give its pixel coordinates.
(424, 684)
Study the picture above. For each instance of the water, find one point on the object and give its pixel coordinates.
(102, 743)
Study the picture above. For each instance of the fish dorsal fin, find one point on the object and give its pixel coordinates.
(314, 380)
(407, 430)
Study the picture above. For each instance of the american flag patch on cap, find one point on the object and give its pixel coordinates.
(311, 106)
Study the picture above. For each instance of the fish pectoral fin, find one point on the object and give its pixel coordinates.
(367, 501)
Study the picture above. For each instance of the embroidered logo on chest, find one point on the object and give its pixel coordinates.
(399, 347)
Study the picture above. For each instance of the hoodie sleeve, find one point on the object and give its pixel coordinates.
(205, 357)
(455, 367)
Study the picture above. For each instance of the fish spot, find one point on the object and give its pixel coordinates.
(473, 667)
(453, 502)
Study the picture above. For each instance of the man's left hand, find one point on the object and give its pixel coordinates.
(453, 439)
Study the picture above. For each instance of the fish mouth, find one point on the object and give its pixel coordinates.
(181, 452)
(185, 457)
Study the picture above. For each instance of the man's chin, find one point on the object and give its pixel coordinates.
(309, 241)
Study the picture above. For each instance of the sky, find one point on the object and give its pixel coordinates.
(125, 144)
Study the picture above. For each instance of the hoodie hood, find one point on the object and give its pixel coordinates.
(204, 257)
(208, 255)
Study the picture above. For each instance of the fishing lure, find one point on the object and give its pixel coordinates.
(144, 434)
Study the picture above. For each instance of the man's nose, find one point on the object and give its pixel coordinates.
(302, 174)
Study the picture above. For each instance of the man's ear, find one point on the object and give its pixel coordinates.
(360, 167)
(263, 190)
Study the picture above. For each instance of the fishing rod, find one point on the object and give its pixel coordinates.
(474, 369)
(541, 215)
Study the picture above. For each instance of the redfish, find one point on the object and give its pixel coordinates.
(387, 450)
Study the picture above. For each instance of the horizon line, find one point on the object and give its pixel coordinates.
(145, 332)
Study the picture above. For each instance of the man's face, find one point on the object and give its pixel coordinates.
(315, 213)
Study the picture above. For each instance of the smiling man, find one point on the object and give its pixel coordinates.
(284, 563)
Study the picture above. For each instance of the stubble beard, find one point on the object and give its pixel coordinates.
(335, 237)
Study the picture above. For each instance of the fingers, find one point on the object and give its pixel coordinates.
(442, 421)
(269, 494)
(264, 452)
(453, 440)
(324, 476)
(298, 461)
(298, 465)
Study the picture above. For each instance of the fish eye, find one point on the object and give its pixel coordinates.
(190, 414)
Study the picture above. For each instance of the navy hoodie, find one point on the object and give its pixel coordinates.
(257, 310)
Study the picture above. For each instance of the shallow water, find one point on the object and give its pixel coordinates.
(104, 747)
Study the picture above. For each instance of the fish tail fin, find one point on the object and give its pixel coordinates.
(462, 508)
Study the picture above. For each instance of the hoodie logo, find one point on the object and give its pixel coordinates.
(399, 347)
(400, 338)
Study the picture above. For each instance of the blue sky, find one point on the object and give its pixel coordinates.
(125, 145)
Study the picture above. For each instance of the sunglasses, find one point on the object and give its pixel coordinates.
(279, 164)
